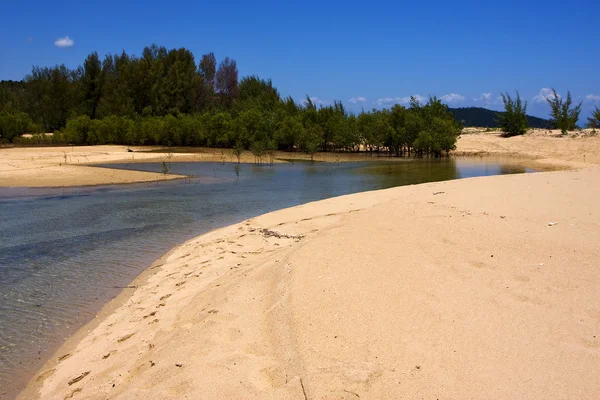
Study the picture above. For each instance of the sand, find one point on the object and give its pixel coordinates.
(476, 288)
(67, 166)
(546, 149)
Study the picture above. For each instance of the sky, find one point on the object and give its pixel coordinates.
(365, 54)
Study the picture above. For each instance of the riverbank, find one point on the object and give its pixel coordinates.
(484, 287)
(73, 166)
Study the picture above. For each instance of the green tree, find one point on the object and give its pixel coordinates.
(14, 123)
(92, 81)
(514, 119)
(226, 81)
(564, 117)
(594, 120)
(258, 149)
(288, 133)
(208, 70)
(311, 140)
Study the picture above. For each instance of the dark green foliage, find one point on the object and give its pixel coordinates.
(484, 118)
(438, 128)
(164, 97)
(92, 84)
(226, 81)
(563, 116)
(513, 121)
(594, 120)
(311, 140)
(13, 123)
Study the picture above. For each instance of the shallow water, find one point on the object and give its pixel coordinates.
(65, 252)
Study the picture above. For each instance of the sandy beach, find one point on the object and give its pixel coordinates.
(474, 288)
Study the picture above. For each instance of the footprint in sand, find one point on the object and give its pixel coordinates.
(78, 378)
(124, 338)
(45, 375)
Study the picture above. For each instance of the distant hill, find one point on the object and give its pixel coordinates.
(482, 117)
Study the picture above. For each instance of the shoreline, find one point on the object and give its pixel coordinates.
(47, 167)
(287, 232)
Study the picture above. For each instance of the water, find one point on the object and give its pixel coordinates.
(65, 252)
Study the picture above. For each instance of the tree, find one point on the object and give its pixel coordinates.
(311, 140)
(14, 123)
(208, 69)
(238, 150)
(52, 95)
(227, 81)
(397, 120)
(92, 82)
(288, 133)
(563, 116)
(117, 89)
(164, 97)
(258, 149)
(594, 120)
(514, 119)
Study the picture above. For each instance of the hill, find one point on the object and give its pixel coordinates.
(482, 117)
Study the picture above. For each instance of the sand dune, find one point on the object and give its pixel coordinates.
(548, 149)
(449, 290)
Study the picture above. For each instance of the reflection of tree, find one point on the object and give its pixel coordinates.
(505, 169)
(411, 172)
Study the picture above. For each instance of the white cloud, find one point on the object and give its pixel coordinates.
(400, 100)
(486, 97)
(418, 97)
(385, 100)
(356, 100)
(452, 97)
(319, 101)
(64, 42)
(592, 97)
(545, 93)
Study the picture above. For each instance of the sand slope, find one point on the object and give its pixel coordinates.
(449, 290)
(548, 148)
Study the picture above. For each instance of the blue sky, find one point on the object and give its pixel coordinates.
(371, 54)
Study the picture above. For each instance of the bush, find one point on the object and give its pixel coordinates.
(563, 116)
(514, 120)
(594, 121)
(15, 123)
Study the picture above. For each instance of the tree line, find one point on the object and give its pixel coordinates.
(165, 98)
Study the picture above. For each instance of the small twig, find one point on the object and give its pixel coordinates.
(303, 390)
(347, 391)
